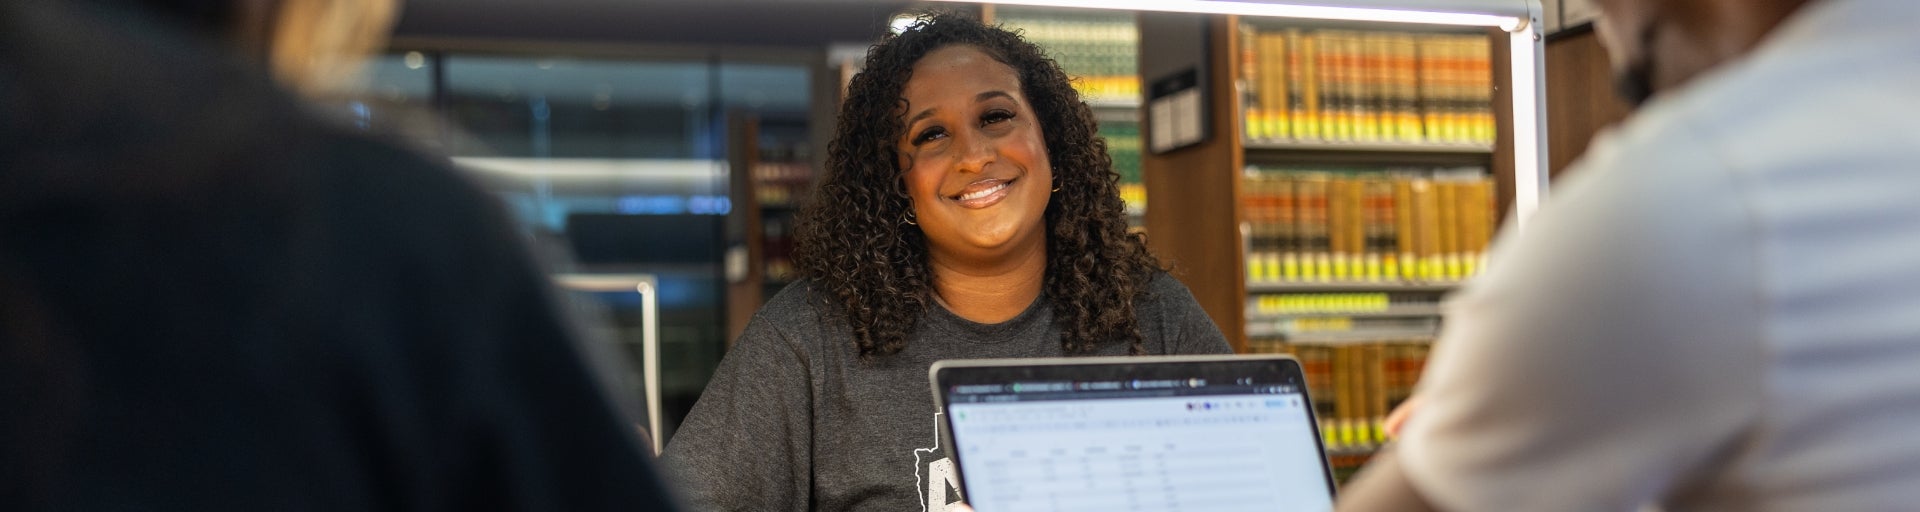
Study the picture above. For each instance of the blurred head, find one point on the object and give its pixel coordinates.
(949, 145)
(1659, 45)
(311, 46)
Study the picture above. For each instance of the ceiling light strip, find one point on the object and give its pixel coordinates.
(1280, 10)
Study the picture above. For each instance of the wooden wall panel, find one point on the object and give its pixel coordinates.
(1503, 158)
(1580, 97)
(744, 296)
(1193, 193)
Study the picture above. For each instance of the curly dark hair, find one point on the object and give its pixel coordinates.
(853, 245)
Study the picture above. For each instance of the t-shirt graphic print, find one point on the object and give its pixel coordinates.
(933, 476)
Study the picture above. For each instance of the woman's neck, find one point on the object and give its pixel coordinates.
(990, 293)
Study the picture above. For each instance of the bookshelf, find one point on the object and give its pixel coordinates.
(1397, 311)
(1322, 185)
(1368, 147)
(1286, 286)
(1214, 243)
(765, 200)
(1356, 375)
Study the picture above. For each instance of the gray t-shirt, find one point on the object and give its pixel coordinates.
(793, 420)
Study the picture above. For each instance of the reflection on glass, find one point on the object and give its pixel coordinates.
(612, 167)
(579, 108)
(393, 94)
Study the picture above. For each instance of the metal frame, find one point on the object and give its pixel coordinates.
(646, 285)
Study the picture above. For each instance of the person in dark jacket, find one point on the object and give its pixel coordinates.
(212, 300)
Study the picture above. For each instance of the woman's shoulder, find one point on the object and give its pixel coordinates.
(798, 311)
(798, 299)
(1164, 297)
(1169, 311)
(1162, 288)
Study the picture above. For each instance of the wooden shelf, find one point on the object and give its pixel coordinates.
(1338, 337)
(1352, 450)
(1416, 310)
(1126, 115)
(1350, 286)
(1198, 221)
(1369, 147)
(1367, 153)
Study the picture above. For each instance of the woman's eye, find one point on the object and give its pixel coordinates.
(995, 117)
(928, 136)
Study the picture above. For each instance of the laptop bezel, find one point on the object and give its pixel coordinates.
(1289, 366)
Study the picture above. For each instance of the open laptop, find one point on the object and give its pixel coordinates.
(1172, 433)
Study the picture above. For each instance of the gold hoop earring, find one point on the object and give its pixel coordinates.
(909, 219)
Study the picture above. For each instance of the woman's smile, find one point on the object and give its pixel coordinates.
(984, 193)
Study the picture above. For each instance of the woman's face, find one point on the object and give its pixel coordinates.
(974, 159)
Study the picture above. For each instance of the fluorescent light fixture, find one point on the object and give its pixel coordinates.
(595, 168)
(1284, 10)
(645, 285)
(1529, 125)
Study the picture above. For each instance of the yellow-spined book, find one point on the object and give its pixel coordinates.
(1426, 215)
(1274, 71)
(1286, 217)
(1405, 229)
(1406, 88)
(1303, 101)
(1356, 206)
(1375, 365)
(1254, 94)
(1448, 191)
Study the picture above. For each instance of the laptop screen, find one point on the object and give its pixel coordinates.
(1189, 437)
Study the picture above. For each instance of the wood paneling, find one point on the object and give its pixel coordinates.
(744, 296)
(1503, 159)
(1193, 195)
(1580, 98)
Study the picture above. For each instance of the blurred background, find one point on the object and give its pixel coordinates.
(615, 132)
(656, 151)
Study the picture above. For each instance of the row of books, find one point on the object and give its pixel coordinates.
(1099, 49)
(1406, 225)
(782, 179)
(1307, 329)
(777, 247)
(1135, 197)
(1355, 385)
(1366, 86)
(1338, 303)
(781, 184)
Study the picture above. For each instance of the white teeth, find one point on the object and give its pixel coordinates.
(983, 193)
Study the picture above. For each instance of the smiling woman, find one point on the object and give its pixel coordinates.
(976, 168)
(967, 211)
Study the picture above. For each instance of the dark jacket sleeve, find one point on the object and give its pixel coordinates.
(522, 422)
(747, 445)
